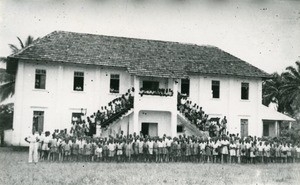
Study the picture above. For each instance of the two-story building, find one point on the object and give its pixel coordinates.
(65, 73)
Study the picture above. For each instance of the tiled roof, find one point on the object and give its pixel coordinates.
(139, 56)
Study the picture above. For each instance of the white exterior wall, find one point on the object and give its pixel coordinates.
(230, 103)
(58, 100)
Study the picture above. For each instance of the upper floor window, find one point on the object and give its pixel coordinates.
(185, 87)
(150, 85)
(78, 81)
(40, 79)
(215, 88)
(114, 83)
(245, 91)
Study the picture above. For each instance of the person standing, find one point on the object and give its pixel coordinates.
(33, 147)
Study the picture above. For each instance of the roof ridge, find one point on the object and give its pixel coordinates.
(135, 38)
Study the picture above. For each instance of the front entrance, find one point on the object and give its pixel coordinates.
(244, 128)
(149, 129)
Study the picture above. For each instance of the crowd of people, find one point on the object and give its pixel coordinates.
(158, 92)
(197, 116)
(62, 147)
(107, 114)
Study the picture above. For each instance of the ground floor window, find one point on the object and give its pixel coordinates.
(38, 121)
(179, 128)
(266, 129)
(76, 117)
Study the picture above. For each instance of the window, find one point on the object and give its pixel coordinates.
(40, 79)
(265, 129)
(245, 91)
(151, 85)
(215, 87)
(76, 117)
(78, 81)
(114, 83)
(38, 121)
(179, 128)
(185, 86)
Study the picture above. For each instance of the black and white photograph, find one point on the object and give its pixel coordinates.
(149, 92)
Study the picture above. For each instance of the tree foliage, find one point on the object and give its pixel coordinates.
(7, 81)
(284, 90)
(6, 115)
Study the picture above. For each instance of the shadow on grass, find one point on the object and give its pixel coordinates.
(14, 148)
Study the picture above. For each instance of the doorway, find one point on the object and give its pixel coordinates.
(244, 128)
(149, 129)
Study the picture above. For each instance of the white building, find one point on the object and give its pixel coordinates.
(65, 73)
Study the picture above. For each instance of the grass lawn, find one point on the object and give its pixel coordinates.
(16, 170)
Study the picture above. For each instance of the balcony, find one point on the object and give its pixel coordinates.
(155, 103)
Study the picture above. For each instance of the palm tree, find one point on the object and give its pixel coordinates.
(271, 92)
(290, 90)
(7, 81)
(28, 41)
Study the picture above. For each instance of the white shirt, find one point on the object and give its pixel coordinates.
(150, 144)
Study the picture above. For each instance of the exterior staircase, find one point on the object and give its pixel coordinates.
(191, 128)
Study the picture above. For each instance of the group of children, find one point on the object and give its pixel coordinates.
(197, 116)
(158, 92)
(83, 125)
(135, 148)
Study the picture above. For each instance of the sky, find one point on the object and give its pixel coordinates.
(265, 33)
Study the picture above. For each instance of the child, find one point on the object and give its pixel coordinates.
(105, 151)
(238, 151)
(252, 153)
(260, 149)
(67, 150)
(277, 152)
(45, 145)
(284, 149)
(119, 150)
(202, 151)
(145, 151)
(267, 152)
(224, 151)
(150, 149)
(75, 150)
(294, 153)
(298, 153)
(208, 151)
(128, 147)
(155, 150)
(94, 146)
(195, 150)
(160, 150)
(272, 153)
(243, 151)
(289, 153)
(111, 148)
(215, 148)
(188, 151)
(53, 149)
(232, 152)
(248, 146)
(81, 144)
(173, 155)
(88, 150)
